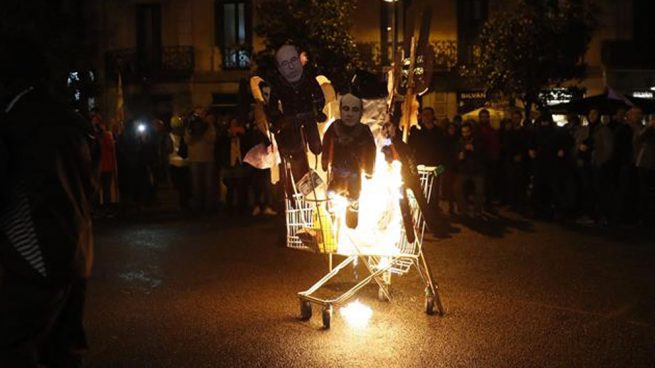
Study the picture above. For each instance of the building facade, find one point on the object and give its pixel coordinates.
(175, 54)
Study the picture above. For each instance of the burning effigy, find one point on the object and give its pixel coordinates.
(366, 201)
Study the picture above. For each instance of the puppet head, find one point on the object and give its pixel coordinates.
(351, 109)
(288, 63)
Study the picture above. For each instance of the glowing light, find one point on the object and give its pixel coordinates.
(356, 314)
(379, 226)
(384, 263)
(642, 94)
(141, 128)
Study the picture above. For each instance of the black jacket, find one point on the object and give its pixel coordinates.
(303, 97)
(428, 145)
(49, 152)
(350, 149)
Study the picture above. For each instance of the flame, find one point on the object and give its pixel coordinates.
(356, 314)
(380, 222)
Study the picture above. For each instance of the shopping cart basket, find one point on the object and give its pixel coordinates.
(308, 218)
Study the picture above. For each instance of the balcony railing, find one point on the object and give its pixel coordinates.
(445, 54)
(173, 63)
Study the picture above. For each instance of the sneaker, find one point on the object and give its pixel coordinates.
(268, 211)
(256, 211)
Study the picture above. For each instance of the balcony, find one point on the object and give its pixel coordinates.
(445, 54)
(171, 64)
(628, 55)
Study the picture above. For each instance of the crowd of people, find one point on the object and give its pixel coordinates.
(596, 170)
(199, 154)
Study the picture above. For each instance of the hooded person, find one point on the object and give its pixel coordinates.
(349, 151)
(294, 108)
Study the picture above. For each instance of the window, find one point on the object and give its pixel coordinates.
(471, 16)
(388, 10)
(148, 27)
(234, 32)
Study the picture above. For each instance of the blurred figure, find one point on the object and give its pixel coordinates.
(547, 152)
(515, 146)
(178, 152)
(489, 143)
(46, 246)
(108, 183)
(601, 162)
(646, 170)
(160, 144)
(200, 137)
(451, 149)
(624, 161)
(235, 172)
(136, 157)
(428, 146)
(470, 171)
(584, 146)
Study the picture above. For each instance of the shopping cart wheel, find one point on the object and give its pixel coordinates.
(429, 305)
(305, 310)
(382, 296)
(327, 316)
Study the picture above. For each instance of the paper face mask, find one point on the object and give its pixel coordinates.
(288, 63)
(351, 109)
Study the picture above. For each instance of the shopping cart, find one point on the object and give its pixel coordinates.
(303, 215)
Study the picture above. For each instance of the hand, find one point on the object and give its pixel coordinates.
(468, 147)
(462, 155)
(532, 153)
(583, 148)
(560, 153)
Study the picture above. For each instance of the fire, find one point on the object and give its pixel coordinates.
(356, 314)
(380, 221)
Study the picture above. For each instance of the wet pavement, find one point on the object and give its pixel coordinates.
(220, 291)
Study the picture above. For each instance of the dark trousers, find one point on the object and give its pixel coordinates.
(545, 190)
(105, 181)
(605, 190)
(491, 180)
(41, 326)
(627, 192)
(448, 187)
(181, 178)
(461, 183)
(517, 183)
(586, 191)
(262, 187)
(646, 194)
(236, 179)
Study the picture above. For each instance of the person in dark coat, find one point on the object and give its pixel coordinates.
(428, 145)
(516, 150)
(45, 216)
(451, 149)
(470, 171)
(547, 150)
